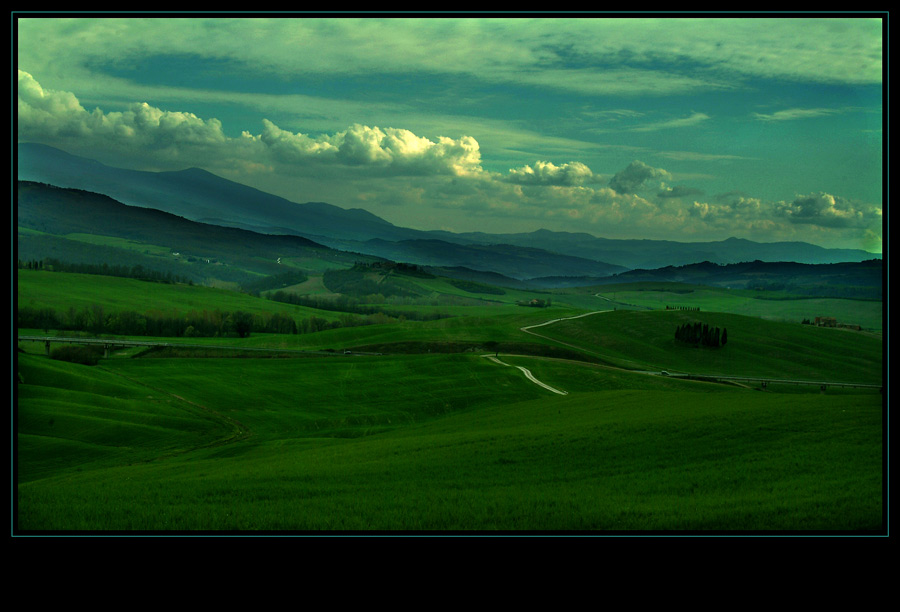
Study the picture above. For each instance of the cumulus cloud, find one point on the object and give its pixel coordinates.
(400, 150)
(403, 150)
(636, 174)
(291, 147)
(547, 173)
(46, 113)
(826, 210)
(51, 115)
(46, 108)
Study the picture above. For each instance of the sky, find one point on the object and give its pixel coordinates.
(663, 127)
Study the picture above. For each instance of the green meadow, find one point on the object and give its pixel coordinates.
(66, 291)
(756, 347)
(430, 436)
(867, 314)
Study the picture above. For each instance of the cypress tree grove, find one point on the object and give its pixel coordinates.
(701, 334)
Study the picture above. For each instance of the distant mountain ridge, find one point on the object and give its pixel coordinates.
(508, 260)
(54, 221)
(196, 194)
(652, 254)
(846, 279)
(199, 195)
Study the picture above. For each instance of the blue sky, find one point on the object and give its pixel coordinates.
(680, 128)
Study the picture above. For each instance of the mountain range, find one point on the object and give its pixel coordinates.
(201, 196)
(77, 227)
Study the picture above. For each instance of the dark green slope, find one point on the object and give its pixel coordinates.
(60, 212)
(200, 196)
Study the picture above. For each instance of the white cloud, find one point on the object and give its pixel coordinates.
(52, 115)
(45, 113)
(398, 150)
(827, 210)
(291, 147)
(547, 173)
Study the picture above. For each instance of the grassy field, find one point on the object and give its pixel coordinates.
(440, 443)
(431, 436)
(64, 291)
(866, 313)
(756, 347)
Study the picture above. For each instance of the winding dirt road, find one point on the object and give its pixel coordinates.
(528, 375)
(527, 329)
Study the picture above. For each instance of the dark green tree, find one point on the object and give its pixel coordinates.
(242, 323)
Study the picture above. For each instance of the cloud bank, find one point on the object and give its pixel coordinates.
(698, 55)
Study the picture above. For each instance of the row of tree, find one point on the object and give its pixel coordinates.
(194, 324)
(347, 304)
(97, 320)
(137, 271)
(701, 334)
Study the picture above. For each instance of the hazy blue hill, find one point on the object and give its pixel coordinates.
(478, 276)
(199, 195)
(847, 279)
(513, 261)
(651, 254)
(59, 212)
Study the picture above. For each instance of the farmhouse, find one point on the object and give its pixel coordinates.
(826, 322)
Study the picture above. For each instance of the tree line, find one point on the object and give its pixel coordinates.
(97, 320)
(195, 324)
(347, 304)
(138, 271)
(701, 334)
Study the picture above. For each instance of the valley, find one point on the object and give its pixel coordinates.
(272, 383)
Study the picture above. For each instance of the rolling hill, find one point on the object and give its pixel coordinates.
(77, 226)
(199, 195)
(651, 254)
(69, 223)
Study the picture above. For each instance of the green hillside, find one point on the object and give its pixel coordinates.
(65, 291)
(773, 305)
(755, 347)
(433, 404)
(444, 443)
(72, 417)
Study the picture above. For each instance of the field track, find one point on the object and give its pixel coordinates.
(527, 329)
(528, 375)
